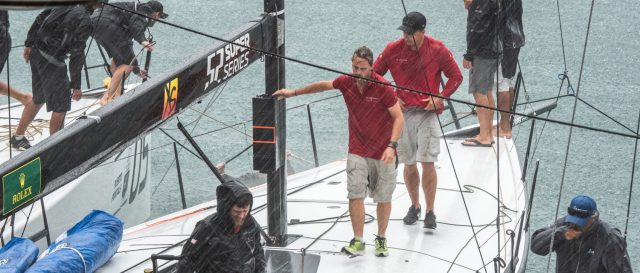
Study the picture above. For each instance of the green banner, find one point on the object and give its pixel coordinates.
(21, 185)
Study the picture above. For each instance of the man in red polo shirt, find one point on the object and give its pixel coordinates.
(417, 62)
(375, 125)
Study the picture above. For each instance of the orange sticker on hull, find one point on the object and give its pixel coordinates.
(170, 99)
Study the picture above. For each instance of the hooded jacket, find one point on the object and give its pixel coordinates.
(63, 31)
(482, 35)
(601, 249)
(132, 24)
(512, 32)
(215, 247)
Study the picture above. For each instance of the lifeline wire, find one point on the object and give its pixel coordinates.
(573, 115)
(455, 172)
(378, 82)
(633, 170)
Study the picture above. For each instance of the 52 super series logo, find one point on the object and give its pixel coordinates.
(228, 60)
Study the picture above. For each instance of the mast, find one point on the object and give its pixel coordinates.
(276, 175)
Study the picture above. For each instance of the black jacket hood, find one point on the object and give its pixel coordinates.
(227, 194)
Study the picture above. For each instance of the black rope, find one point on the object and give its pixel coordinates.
(607, 116)
(633, 170)
(212, 131)
(573, 115)
(9, 95)
(564, 57)
(214, 98)
(543, 100)
(377, 82)
(423, 66)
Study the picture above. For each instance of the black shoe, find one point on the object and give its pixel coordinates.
(21, 144)
(412, 216)
(430, 220)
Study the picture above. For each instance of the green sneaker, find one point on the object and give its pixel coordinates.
(354, 247)
(381, 247)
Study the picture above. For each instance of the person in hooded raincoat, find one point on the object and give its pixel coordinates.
(583, 242)
(56, 34)
(227, 241)
(115, 26)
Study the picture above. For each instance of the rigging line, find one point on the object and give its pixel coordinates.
(6, 29)
(213, 98)
(222, 122)
(573, 116)
(635, 153)
(370, 80)
(312, 102)
(498, 119)
(178, 142)
(564, 57)
(26, 222)
(607, 116)
(544, 124)
(455, 172)
(543, 100)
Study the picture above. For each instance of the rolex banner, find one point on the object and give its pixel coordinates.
(21, 185)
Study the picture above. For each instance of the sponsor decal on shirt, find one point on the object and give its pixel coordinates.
(371, 99)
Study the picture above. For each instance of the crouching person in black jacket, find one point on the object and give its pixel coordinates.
(227, 241)
(583, 242)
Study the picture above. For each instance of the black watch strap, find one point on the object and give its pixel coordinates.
(393, 144)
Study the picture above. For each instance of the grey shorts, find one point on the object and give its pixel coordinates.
(420, 140)
(482, 76)
(368, 176)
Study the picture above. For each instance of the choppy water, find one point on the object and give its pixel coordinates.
(326, 32)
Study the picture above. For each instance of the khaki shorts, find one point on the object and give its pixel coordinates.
(368, 176)
(420, 140)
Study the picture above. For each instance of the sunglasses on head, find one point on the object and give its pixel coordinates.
(580, 212)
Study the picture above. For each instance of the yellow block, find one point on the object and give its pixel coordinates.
(106, 82)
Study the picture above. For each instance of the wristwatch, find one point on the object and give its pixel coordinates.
(393, 144)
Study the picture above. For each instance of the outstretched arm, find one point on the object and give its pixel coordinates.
(315, 87)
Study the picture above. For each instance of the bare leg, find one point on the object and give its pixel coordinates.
(412, 182)
(28, 114)
(356, 212)
(115, 87)
(24, 98)
(383, 212)
(429, 184)
(57, 122)
(504, 103)
(484, 116)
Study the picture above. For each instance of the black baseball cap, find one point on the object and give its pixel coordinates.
(413, 22)
(157, 7)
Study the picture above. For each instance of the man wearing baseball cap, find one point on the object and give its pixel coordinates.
(417, 62)
(114, 28)
(583, 242)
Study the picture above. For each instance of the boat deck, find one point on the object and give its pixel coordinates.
(321, 193)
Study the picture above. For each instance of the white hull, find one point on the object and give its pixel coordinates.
(119, 186)
(321, 193)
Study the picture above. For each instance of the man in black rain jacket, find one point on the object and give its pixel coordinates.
(481, 58)
(115, 26)
(227, 241)
(56, 34)
(583, 243)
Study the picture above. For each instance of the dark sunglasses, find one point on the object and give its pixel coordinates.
(580, 212)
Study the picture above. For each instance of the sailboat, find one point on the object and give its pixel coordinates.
(491, 233)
